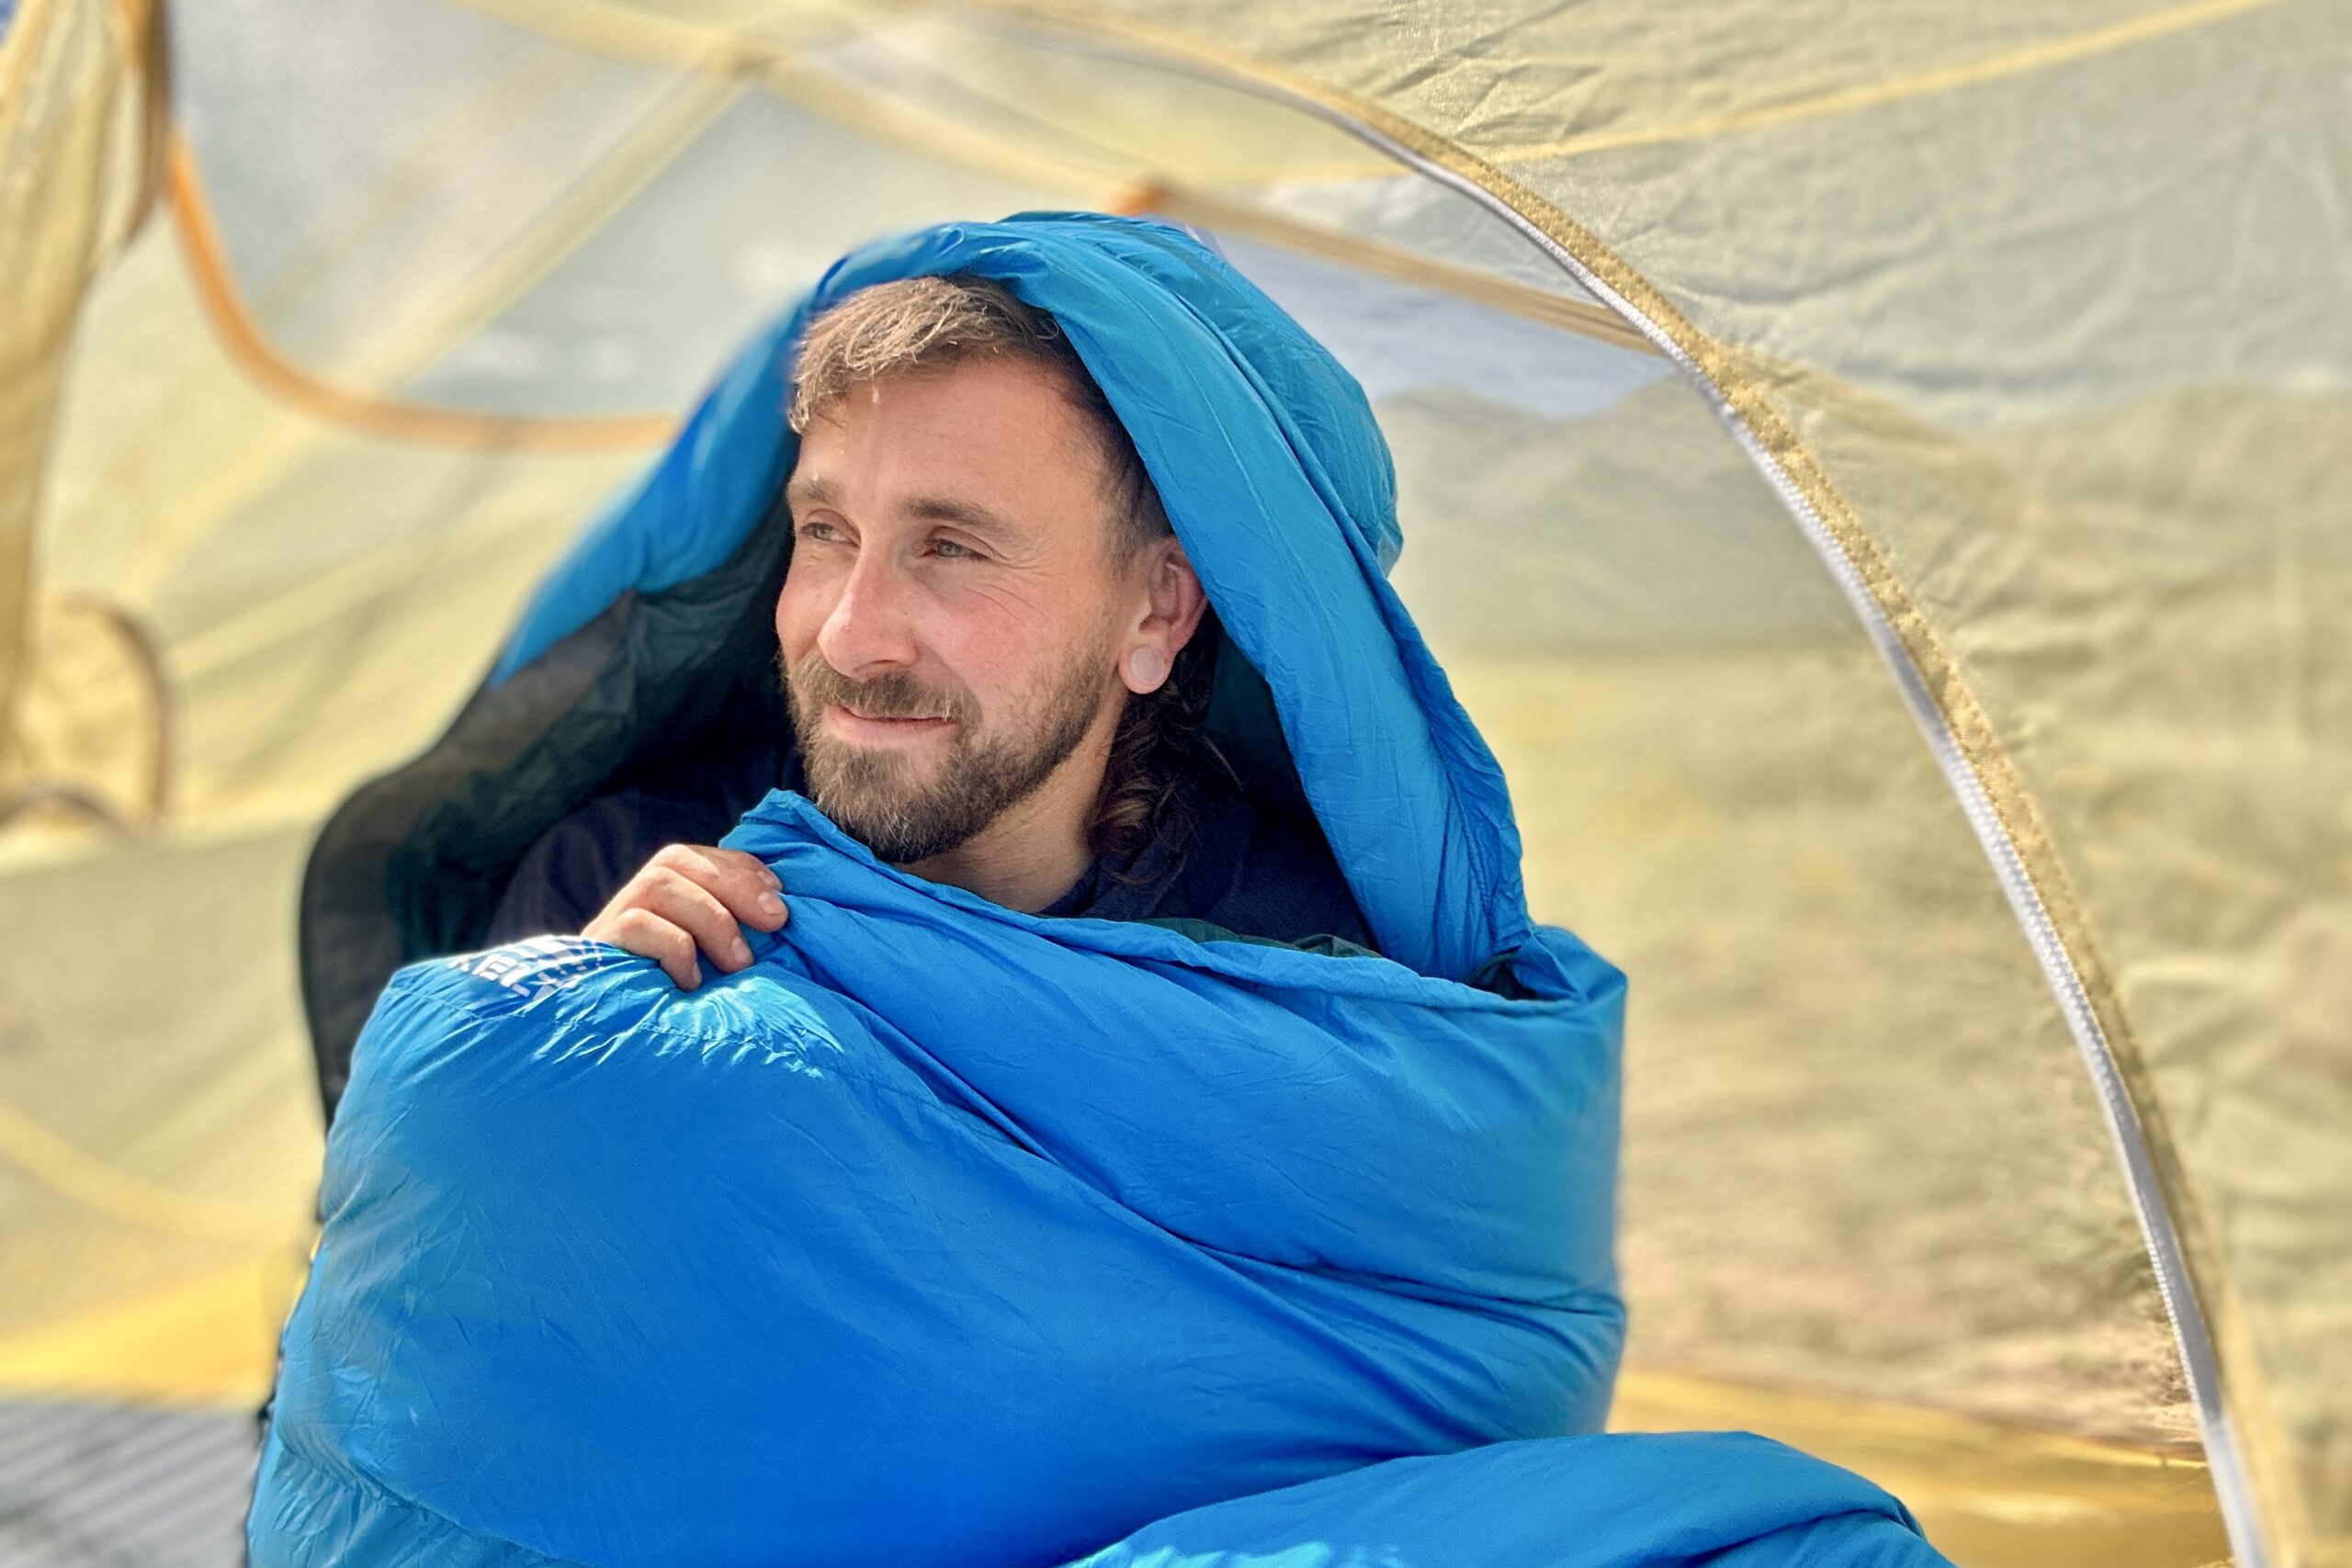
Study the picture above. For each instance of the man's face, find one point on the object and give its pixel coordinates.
(947, 625)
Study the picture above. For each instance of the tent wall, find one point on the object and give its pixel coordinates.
(317, 438)
(77, 124)
(2082, 265)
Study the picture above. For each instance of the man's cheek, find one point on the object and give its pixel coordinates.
(796, 631)
(995, 664)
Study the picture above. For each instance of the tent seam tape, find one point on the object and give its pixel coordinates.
(1997, 834)
(2032, 59)
(1849, 564)
(279, 377)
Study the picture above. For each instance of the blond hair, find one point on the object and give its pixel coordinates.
(924, 326)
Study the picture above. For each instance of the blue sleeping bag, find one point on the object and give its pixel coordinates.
(945, 1234)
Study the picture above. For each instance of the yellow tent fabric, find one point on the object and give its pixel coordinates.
(78, 121)
(2070, 400)
(1772, 385)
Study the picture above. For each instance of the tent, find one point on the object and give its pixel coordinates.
(1774, 388)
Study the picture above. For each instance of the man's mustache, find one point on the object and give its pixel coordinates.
(817, 684)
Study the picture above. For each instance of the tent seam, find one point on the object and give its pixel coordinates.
(2035, 885)
(1943, 708)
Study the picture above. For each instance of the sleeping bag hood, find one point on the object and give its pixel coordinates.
(949, 1234)
(651, 643)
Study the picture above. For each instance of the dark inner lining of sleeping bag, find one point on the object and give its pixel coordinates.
(658, 687)
(691, 679)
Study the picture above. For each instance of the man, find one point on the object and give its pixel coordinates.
(943, 1230)
(994, 650)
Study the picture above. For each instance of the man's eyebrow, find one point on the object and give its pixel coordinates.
(807, 490)
(813, 489)
(966, 513)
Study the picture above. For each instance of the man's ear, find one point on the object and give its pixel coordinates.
(1174, 605)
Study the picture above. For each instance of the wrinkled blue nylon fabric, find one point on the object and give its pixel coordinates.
(1728, 1499)
(947, 1234)
(944, 1233)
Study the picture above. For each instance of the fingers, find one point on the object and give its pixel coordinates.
(696, 911)
(690, 897)
(650, 936)
(751, 892)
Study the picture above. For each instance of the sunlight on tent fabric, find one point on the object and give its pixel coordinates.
(2033, 314)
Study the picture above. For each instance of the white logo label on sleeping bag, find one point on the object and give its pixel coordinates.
(535, 968)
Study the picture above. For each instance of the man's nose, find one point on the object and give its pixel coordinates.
(870, 631)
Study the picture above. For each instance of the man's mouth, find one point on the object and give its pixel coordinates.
(853, 725)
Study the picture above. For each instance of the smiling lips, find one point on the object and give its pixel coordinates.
(863, 727)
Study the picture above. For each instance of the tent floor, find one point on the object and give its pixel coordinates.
(1989, 1495)
(87, 1485)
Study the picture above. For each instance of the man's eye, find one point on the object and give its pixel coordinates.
(951, 551)
(815, 529)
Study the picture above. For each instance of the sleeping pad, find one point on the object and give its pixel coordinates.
(945, 1234)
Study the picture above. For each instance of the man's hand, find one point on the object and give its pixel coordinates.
(689, 896)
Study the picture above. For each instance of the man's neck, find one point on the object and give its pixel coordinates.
(1038, 849)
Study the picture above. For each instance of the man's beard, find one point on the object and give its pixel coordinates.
(873, 794)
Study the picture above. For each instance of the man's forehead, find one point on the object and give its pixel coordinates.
(1004, 415)
(1020, 469)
